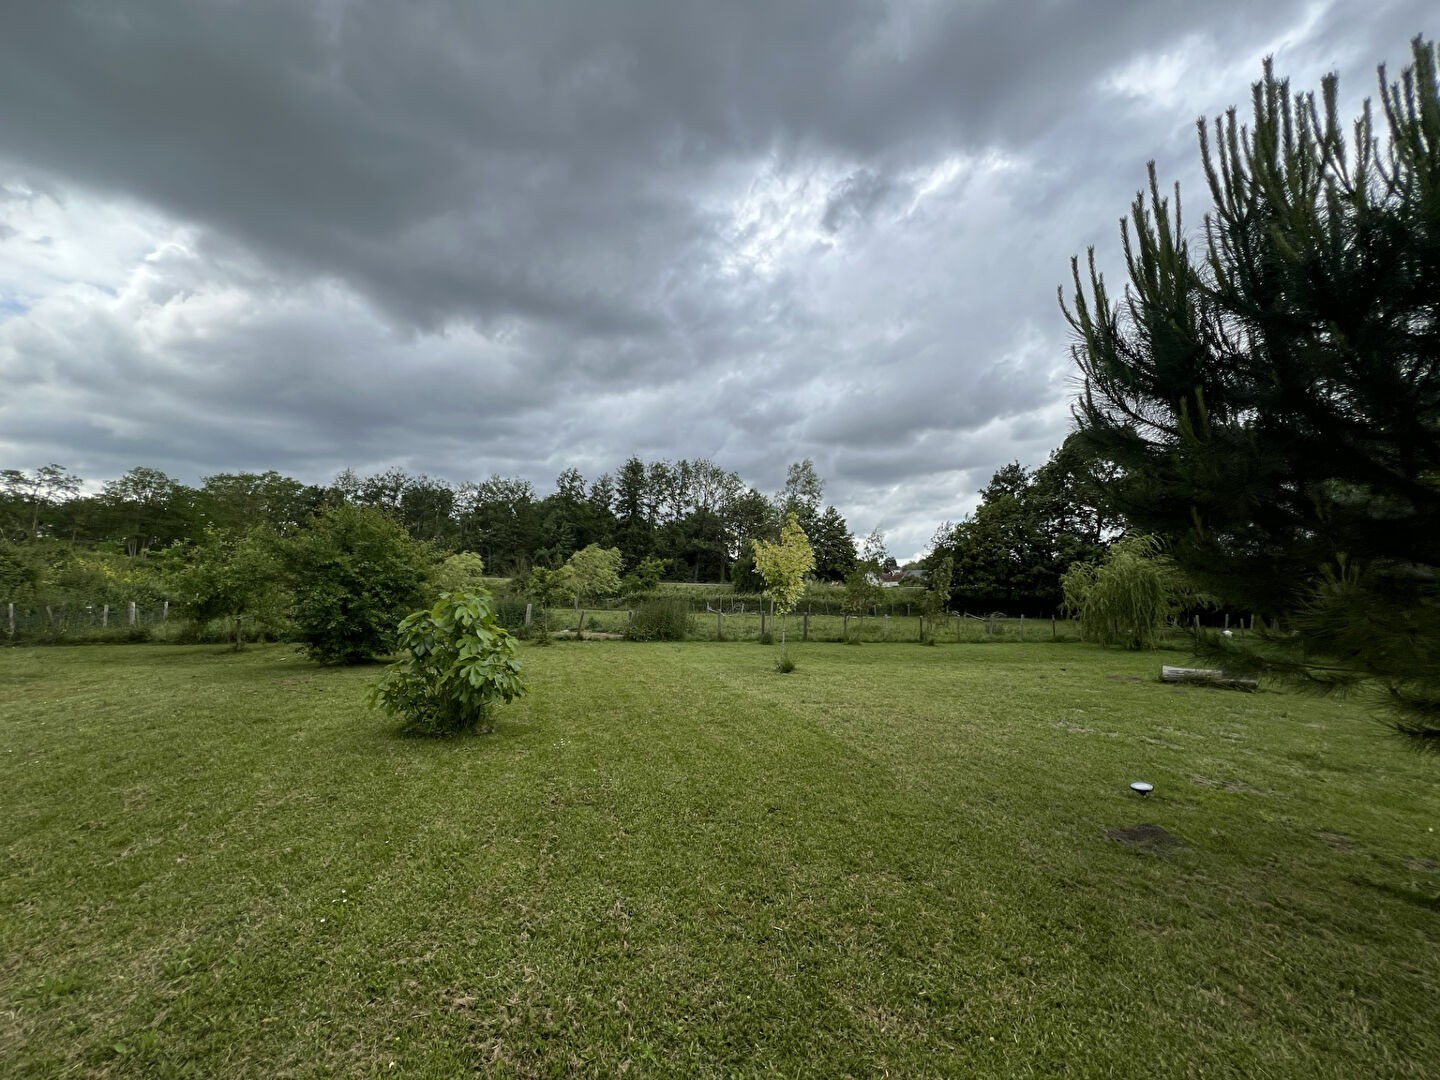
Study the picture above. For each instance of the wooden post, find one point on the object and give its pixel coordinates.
(527, 614)
(885, 627)
(10, 618)
(1227, 620)
(104, 616)
(845, 627)
(1054, 636)
(629, 620)
(719, 635)
(805, 625)
(921, 633)
(1022, 627)
(165, 612)
(131, 614)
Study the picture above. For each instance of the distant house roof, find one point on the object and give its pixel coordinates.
(899, 577)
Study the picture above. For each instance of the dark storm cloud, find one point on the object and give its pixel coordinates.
(531, 159)
(509, 237)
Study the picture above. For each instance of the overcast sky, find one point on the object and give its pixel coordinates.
(471, 238)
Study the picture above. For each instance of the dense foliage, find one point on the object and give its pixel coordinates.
(231, 576)
(355, 572)
(1272, 403)
(678, 521)
(1127, 599)
(457, 664)
(660, 618)
(1029, 528)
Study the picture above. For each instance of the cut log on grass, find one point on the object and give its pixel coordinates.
(1206, 677)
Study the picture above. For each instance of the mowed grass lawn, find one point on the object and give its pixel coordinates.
(672, 861)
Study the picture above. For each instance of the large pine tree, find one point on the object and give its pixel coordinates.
(1272, 402)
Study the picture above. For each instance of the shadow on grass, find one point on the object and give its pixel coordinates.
(1418, 897)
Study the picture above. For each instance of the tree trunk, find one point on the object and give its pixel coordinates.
(1206, 677)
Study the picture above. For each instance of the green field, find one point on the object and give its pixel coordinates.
(671, 861)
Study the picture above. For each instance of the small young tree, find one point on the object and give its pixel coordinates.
(231, 577)
(355, 572)
(644, 577)
(785, 566)
(935, 600)
(862, 590)
(458, 663)
(1127, 599)
(461, 572)
(862, 585)
(594, 572)
(546, 588)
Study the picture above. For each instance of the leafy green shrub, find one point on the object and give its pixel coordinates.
(458, 663)
(355, 572)
(665, 618)
(785, 665)
(231, 577)
(462, 572)
(1126, 600)
(510, 612)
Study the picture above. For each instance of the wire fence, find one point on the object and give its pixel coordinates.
(69, 620)
(706, 620)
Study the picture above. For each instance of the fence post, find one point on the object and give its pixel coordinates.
(133, 613)
(104, 616)
(165, 612)
(885, 627)
(10, 618)
(527, 614)
(719, 635)
(845, 627)
(1022, 627)
(805, 625)
(1053, 634)
(1227, 620)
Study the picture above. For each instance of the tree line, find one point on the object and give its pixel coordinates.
(687, 520)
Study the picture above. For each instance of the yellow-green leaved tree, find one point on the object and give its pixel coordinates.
(786, 567)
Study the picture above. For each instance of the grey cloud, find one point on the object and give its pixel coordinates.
(477, 161)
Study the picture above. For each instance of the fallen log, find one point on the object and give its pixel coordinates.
(1206, 677)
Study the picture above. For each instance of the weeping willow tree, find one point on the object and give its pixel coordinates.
(1271, 401)
(1128, 599)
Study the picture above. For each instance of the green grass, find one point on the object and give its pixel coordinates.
(670, 860)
